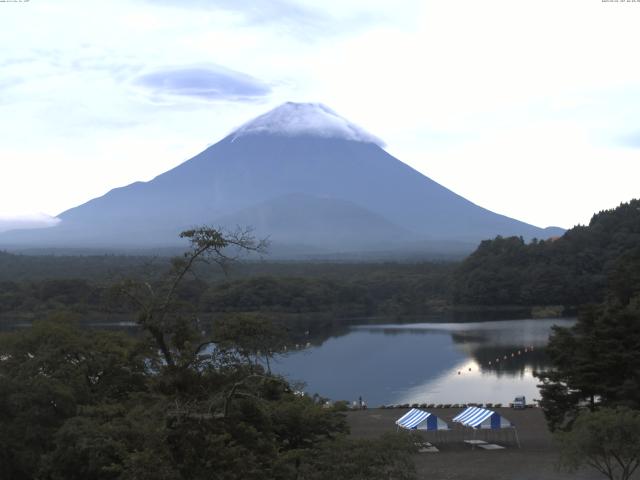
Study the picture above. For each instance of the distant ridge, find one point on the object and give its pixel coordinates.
(301, 174)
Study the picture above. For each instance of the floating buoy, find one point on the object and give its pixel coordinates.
(497, 360)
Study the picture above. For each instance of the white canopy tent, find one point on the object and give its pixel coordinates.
(483, 419)
(416, 419)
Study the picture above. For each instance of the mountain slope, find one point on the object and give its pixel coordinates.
(303, 219)
(296, 148)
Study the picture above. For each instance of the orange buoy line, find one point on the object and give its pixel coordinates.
(490, 363)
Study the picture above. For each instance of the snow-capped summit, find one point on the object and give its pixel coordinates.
(294, 119)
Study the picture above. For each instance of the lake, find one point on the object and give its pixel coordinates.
(426, 362)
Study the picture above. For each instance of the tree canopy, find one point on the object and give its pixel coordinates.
(597, 361)
(607, 440)
(179, 402)
(570, 270)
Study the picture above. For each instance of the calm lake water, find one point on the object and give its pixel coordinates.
(426, 362)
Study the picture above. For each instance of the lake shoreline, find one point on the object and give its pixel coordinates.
(444, 313)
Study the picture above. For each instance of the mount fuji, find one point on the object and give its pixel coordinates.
(310, 180)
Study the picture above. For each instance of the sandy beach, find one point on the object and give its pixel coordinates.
(535, 460)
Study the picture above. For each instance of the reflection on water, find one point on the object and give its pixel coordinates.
(426, 362)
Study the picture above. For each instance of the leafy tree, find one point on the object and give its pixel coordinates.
(103, 442)
(594, 363)
(177, 337)
(48, 374)
(254, 337)
(607, 440)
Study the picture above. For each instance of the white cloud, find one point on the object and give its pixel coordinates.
(14, 221)
(205, 82)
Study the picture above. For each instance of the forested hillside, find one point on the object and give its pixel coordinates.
(595, 362)
(574, 269)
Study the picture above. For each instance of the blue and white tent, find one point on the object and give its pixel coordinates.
(481, 418)
(416, 419)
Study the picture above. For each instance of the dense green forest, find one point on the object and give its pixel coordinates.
(573, 270)
(295, 293)
(98, 268)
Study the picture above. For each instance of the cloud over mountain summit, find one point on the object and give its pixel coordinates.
(316, 119)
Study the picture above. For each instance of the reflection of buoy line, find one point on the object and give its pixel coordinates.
(504, 358)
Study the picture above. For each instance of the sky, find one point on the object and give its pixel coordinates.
(529, 109)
